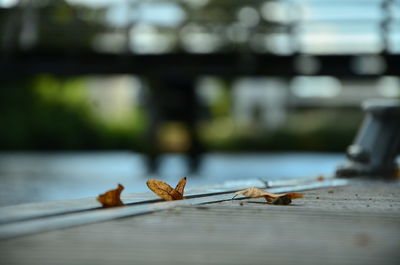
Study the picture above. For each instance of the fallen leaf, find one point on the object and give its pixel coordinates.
(111, 198)
(180, 187)
(281, 198)
(165, 191)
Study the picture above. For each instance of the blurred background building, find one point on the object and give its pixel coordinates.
(192, 77)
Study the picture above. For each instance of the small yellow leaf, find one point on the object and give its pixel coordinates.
(165, 191)
(111, 198)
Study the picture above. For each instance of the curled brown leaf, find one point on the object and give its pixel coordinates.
(111, 198)
(165, 191)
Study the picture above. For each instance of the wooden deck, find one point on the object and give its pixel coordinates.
(354, 224)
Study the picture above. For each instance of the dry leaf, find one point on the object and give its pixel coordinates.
(111, 198)
(282, 198)
(181, 185)
(165, 191)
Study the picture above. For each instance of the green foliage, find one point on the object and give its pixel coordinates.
(47, 113)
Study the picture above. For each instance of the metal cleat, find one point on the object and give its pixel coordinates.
(374, 150)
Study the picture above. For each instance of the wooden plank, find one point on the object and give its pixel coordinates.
(227, 233)
(21, 228)
(37, 210)
(358, 198)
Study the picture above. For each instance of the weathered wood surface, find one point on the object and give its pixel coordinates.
(359, 224)
(45, 209)
(68, 219)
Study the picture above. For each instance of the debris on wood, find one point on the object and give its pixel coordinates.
(278, 199)
(362, 239)
(111, 198)
(165, 191)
